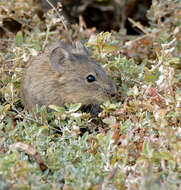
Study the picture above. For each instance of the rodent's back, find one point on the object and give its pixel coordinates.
(65, 74)
(37, 82)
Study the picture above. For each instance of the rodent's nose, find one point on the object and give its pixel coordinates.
(113, 95)
(113, 90)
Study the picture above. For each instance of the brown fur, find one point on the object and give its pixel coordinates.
(59, 76)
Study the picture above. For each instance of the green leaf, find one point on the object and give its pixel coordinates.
(165, 155)
(84, 137)
(142, 65)
(108, 48)
(110, 120)
(106, 34)
(19, 38)
(147, 148)
(57, 108)
(74, 107)
(147, 115)
(171, 114)
(152, 76)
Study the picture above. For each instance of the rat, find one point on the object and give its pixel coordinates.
(66, 73)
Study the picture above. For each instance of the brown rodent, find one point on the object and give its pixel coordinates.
(65, 73)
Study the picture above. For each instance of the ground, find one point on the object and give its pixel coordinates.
(134, 143)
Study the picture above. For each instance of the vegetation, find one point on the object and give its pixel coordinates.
(134, 143)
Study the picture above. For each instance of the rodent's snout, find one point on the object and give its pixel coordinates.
(113, 95)
(113, 90)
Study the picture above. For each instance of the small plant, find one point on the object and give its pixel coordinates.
(134, 143)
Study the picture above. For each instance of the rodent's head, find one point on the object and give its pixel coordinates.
(81, 79)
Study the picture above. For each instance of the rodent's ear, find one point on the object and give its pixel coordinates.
(81, 48)
(58, 58)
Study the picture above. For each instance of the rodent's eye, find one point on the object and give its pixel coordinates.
(91, 78)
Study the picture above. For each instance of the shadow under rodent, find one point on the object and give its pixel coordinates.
(66, 73)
